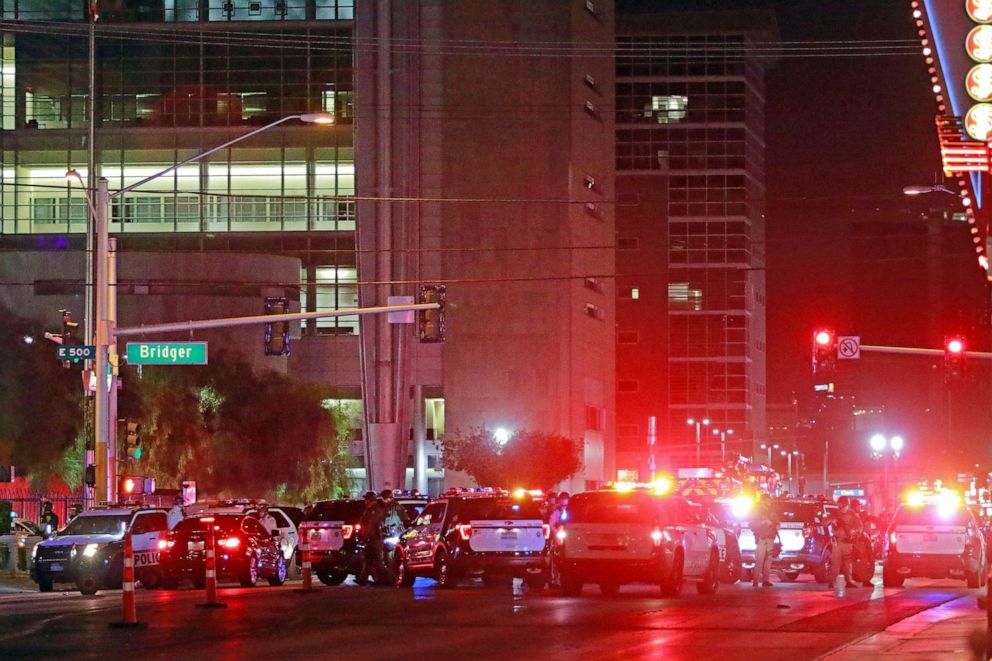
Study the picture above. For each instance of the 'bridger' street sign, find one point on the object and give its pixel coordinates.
(167, 353)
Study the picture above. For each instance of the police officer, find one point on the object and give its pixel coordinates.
(49, 520)
(372, 524)
(556, 516)
(765, 527)
(76, 510)
(846, 526)
(395, 518)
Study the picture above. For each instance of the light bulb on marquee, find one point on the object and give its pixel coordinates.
(979, 82)
(979, 11)
(978, 121)
(979, 43)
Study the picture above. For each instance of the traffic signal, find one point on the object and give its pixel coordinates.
(955, 355)
(131, 486)
(89, 475)
(135, 485)
(431, 322)
(277, 333)
(69, 330)
(132, 439)
(824, 351)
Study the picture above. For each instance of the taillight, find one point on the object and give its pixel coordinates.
(656, 536)
(547, 531)
(346, 530)
(230, 543)
(165, 544)
(561, 535)
(465, 530)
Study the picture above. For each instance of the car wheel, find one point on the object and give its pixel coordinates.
(497, 580)
(671, 585)
(331, 577)
(711, 579)
(442, 571)
(536, 581)
(571, 584)
(609, 588)
(730, 572)
(169, 583)
(250, 578)
(790, 576)
(821, 573)
(402, 576)
(44, 585)
(279, 577)
(891, 579)
(87, 584)
(151, 579)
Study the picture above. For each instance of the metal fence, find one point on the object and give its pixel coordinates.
(30, 508)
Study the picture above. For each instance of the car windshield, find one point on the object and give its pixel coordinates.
(796, 512)
(197, 524)
(497, 508)
(612, 508)
(97, 525)
(348, 511)
(932, 515)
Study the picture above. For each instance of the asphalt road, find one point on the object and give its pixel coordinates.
(792, 622)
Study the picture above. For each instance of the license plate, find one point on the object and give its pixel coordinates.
(508, 535)
(196, 546)
(56, 567)
(929, 538)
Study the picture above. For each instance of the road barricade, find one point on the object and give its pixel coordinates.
(130, 614)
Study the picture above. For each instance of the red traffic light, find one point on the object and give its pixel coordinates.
(954, 345)
(128, 485)
(824, 337)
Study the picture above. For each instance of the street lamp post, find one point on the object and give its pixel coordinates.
(723, 433)
(104, 309)
(887, 450)
(698, 424)
(769, 447)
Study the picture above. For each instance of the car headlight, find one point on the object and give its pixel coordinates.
(90, 550)
(34, 551)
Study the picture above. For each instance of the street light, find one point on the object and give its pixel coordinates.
(887, 450)
(501, 436)
(723, 443)
(769, 447)
(105, 399)
(923, 190)
(698, 424)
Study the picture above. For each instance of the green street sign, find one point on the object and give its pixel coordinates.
(167, 353)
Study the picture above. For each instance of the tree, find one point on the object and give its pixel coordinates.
(530, 459)
(236, 431)
(42, 403)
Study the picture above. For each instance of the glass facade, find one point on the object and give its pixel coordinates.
(698, 121)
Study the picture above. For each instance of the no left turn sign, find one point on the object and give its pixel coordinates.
(849, 347)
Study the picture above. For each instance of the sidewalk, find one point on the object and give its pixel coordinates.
(938, 633)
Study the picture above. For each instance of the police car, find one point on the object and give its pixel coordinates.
(936, 536)
(635, 534)
(89, 551)
(806, 542)
(475, 533)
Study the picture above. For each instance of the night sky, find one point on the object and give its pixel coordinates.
(844, 136)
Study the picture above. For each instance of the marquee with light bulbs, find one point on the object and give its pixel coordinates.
(956, 40)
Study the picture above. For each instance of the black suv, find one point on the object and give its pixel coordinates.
(805, 540)
(488, 535)
(335, 551)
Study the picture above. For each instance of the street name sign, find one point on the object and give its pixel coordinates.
(167, 353)
(75, 352)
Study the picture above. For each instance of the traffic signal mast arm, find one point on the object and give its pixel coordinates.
(263, 319)
(913, 351)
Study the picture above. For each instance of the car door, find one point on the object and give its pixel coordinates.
(287, 539)
(424, 534)
(696, 538)
(262, 541)
(146, 530)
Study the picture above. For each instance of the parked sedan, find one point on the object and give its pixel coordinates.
(245, 551)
